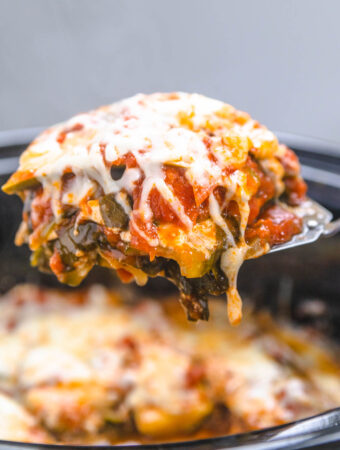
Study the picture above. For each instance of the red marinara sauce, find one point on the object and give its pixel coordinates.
(275, 226)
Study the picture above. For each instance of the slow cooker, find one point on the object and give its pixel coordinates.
(282, 282)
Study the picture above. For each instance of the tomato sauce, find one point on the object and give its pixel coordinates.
(62, 135)
(275, 226)
(296, 190)
(179, 185)
(138, 229)
(41, 210)
(56, 263)
(265, 191)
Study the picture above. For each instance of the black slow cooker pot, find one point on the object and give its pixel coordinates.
(284, 282)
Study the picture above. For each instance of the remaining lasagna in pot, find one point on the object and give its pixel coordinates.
(177, 185)
(85, 367)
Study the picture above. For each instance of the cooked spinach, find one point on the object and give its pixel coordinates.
(112, 212)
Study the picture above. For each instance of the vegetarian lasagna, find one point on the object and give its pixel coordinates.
(175, 185)
(86, 367)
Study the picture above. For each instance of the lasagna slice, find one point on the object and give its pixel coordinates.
(175, 185)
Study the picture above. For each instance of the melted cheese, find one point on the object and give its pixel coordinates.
(17, 424)
(80, 359)
(231, 261)
(149, 128)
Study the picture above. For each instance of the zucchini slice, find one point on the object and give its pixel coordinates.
(20, 181)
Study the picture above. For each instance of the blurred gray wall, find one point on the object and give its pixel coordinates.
(277, 59)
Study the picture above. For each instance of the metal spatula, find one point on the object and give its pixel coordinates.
(317, 222)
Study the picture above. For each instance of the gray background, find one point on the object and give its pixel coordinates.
(277, 59)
